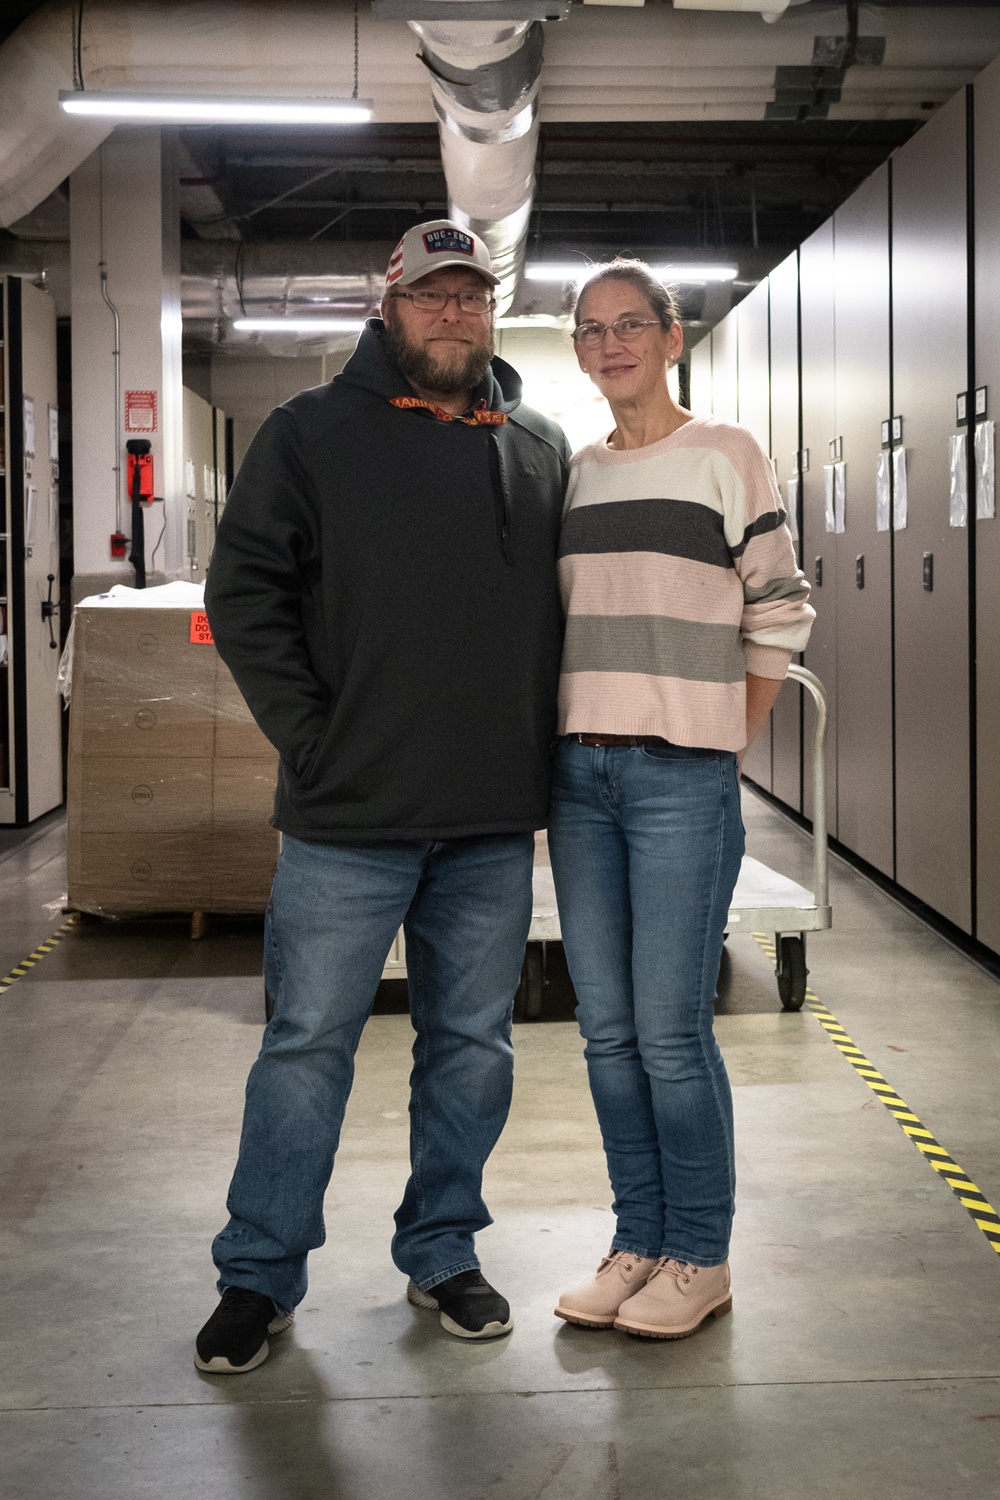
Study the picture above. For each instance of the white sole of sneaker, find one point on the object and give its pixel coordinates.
(650, 1330)
(491, 1331)
(218, 1365)
(417, 1298)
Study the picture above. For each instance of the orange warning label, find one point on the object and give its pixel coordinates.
(201, 631)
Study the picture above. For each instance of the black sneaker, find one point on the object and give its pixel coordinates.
(469, 1307)
(235, 1337)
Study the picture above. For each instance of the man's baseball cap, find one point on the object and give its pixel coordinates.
(429, 247)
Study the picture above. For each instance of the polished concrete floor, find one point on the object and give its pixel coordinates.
(862, 1358)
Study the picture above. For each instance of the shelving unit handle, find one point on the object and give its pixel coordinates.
(811, 682)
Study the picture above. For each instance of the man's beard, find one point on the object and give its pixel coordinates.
(458, 371)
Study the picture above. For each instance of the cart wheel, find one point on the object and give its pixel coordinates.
(791, 972)
(268, 1004)
(531, 990)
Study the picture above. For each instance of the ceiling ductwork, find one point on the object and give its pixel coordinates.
(477, 74)
(222, 280)
(484, 83)
(653, 62)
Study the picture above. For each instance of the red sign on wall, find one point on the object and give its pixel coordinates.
(140, 411)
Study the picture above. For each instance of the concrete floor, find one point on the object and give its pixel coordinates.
(862, 1358)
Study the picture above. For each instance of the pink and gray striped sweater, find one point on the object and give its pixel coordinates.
(678, 577)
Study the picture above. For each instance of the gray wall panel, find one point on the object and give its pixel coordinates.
(700, 364)
(864, 615)
(929, 368)
(753, 324)
(819, 547)
(725, 369)
(987, 232)
(754, 412)
(785, 443)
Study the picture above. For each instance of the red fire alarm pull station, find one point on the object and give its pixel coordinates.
(144, 463)
(119, 544)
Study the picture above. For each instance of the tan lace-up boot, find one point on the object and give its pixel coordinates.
(595, 1304)
(676, 1299)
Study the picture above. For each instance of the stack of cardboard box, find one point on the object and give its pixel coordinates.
(171, 783)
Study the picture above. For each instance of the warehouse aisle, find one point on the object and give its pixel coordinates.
(862, 1357)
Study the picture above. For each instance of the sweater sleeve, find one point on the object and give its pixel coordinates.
(257, 588)
(777, 616)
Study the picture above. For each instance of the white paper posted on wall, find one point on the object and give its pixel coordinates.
(985, 471)
(835, 496)
(900, 502)
(883, 492)
(792, 506)
(958, 480)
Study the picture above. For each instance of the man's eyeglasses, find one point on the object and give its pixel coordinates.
(470, 300)
(591, 335)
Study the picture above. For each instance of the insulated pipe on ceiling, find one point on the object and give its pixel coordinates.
(484, 83)
(217, 276)
(652, 62)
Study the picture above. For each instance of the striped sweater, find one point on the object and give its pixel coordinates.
(678, 577)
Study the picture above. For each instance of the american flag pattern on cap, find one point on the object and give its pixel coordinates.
(395, 270)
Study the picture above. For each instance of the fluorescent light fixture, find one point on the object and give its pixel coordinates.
(532, 320)
(192, 110)
(578, 272)
(556, 271)
(689, 274)
(298, 325)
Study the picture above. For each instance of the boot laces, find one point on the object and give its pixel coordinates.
(679, 1270)
(613, 1257)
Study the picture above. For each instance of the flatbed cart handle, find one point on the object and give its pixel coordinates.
(811, 681)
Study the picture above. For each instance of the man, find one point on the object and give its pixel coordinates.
(383, 590)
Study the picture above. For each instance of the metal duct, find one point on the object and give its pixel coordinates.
(484, 83)
(653, 62)
(221, 279)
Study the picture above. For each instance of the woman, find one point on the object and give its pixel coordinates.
(684, 605)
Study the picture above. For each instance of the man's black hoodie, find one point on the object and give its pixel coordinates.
(383, 589)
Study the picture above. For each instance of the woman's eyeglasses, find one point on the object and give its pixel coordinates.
(590, 335)
(470, 300)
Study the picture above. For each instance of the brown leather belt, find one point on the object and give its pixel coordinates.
(617, 739)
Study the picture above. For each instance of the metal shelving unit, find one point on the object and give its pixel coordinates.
(31, 781)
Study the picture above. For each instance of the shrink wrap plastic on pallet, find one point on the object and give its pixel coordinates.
(171, 783)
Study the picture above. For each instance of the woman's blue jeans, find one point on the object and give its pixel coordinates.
(465, 905)
(646, 844)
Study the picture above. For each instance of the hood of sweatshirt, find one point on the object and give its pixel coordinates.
(372, 368)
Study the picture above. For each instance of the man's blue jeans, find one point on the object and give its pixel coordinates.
(646, 845)
(334, 912)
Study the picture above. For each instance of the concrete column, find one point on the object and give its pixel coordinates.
(123, 212)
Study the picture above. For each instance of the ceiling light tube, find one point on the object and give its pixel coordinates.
(689, 274)
(557, 271)
(192, 110)
(532, 320)
(686, 274)
(298, 325)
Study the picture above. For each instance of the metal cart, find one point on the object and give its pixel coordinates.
(763, 900)
(766, 901)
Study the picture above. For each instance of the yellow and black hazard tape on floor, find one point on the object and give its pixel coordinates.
(33, 959)
(981, 1211)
